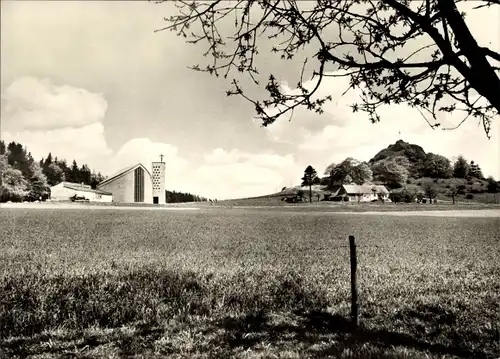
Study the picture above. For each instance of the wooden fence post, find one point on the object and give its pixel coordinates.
(354, 290)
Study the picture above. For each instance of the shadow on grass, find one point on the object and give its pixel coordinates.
(315, 334)
(77, 344)
(315, 326)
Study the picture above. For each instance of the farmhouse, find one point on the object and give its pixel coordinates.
(359, 193)
(65, 190)
(135, 184)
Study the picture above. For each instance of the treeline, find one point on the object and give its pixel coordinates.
(180, 197)
(25, 179)
(58, 171)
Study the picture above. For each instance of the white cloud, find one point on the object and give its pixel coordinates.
(70, 143)
(235, 174)
(63, 120)
(220, 157)
(236, 180)
(145, 151)
(30, 103)
(304, 123)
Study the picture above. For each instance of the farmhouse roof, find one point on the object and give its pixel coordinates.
(381, 189)
(335, 192)
(83, 188)
(123, 172)
(364, 189)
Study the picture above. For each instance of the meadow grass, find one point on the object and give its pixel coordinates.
(246, 283)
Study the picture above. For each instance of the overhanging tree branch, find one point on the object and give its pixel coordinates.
(423, 56)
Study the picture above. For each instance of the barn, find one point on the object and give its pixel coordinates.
(65, 190)
(364, 193)
(133, 184)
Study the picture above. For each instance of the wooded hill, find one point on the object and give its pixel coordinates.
(409, 172)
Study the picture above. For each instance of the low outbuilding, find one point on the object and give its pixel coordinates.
(64, 191)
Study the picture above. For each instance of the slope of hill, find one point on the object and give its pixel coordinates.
(413, 153)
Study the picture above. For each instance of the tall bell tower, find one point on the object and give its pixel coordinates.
(159, 181)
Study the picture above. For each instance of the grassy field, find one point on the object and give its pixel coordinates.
(246, 283)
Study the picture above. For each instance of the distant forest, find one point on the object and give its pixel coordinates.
(180, 197)
(25, 179)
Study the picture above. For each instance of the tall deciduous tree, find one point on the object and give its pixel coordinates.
(430, 191)
(310, 178)
(421, 53)
(392, 172)
(54, 174)
(13, 186)
(338, 172)
(38, 188)
(437, 166)
(361, 173)
(453, 192)
(493, 187)
(350, 168)
(94, 180)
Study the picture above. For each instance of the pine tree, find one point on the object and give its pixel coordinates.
(48, 161)
(310, 178)
(66, 170)
(85, 175)
(75, 173)
(461, 168)
(475, 171)
(19, 159)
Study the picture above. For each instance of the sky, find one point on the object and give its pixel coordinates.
(92, 81)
